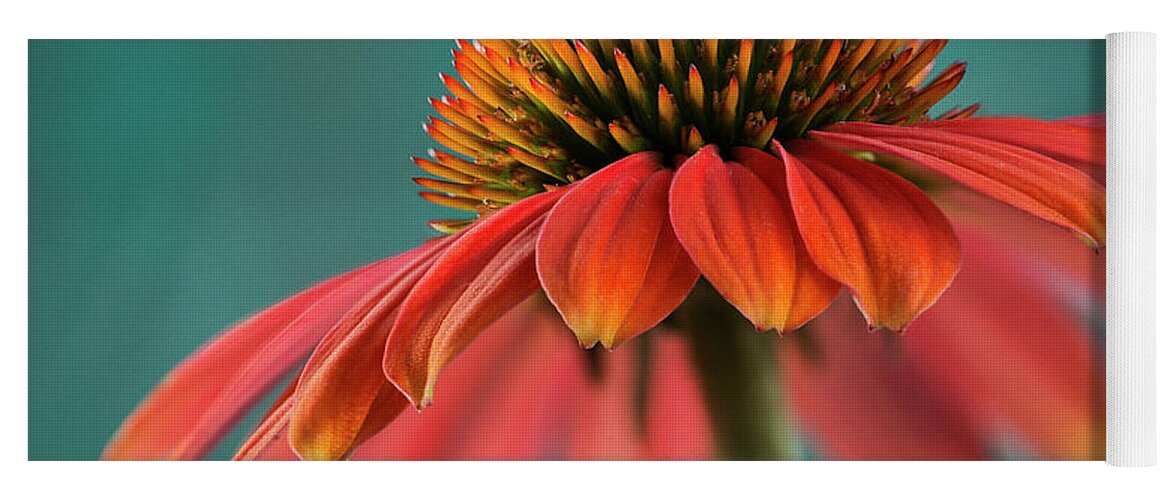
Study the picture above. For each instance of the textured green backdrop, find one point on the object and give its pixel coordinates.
(177, 186)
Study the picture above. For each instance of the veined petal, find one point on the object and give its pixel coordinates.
(871, 230)
(813, 290)
(486, 272)
(201, 399)
(1029, 181)
(1076, 141)
(607, 256)
(734, 220)
(270, 440)
(342, 395)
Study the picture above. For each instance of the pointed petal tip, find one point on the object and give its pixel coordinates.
(607, 257)
(879, 329)
(859, 220)
(735, 220)
(484, 273)
(417, 398)
(587, 344)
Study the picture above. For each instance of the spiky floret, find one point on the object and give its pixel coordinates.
(533, 114)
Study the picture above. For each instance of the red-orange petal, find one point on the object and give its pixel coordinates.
(202, 397)
(1030, 181)
(1000, 360)
(733, 217)
(524, 390)
(269, 440)
(1093, 121)
(1003, 344)
(1076, 141)
(858, 398)
(342, 394)
(486, 272)
(813, 289)
(871, 230)
(502, 396)
(607, 256)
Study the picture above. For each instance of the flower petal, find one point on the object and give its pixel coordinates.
(672, 424)
(813, 289)
(734, 220)
(1092, 121)
(1003, 344)
(1029, 181)
(1000, 363)
(523, 400)
(1076, 141)
(1048, 245)
(607, 256)
(858, 398)
(269, 440)
(486, 272)
(525, 390)
(508, 396)
(201, 398)
(342, 392)
(871, 230)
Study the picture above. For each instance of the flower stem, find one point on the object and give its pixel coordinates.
(738, 368)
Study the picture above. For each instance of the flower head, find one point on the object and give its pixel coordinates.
(611, 175)
(731, 156)
(536, 114)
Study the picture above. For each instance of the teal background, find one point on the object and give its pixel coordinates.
(177, 186)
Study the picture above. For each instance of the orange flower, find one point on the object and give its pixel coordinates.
(611, 175)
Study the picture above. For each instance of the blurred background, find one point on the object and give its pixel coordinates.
(175, 187)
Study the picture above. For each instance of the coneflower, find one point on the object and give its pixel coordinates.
(611, 175)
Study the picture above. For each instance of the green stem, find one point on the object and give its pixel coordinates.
(740, 378)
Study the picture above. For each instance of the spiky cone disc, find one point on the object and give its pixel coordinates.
(535, 114)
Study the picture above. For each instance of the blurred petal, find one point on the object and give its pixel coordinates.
(677, 426)
(524, 406)
(1095, 121)
(524, 369)
(201, 399)
(1032, 182)
(607, 256)
(859, 399)
(524, 391)
(674, 423)
(1005, 347)
(734, 220)
(872, 231)
(998, 364)
(1048, 247)
(482, 275)
(342, 389)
